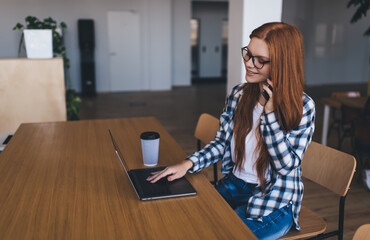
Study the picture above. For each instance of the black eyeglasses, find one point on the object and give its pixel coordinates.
(247, 55)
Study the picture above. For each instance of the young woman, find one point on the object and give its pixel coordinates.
(261, 140)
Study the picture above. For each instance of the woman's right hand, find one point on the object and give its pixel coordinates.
(174, 172)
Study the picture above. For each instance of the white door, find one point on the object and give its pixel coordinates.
(124, 49)
(211, 16)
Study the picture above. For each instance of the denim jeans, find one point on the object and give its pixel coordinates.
(236, 192)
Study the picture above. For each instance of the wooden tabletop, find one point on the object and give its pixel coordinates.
(64, 181)
(337, 102)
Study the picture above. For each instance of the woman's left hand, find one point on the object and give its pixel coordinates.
(269, 106)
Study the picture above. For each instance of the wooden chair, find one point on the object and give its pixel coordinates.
(205, 131)
(349, 114)
(31, 90)
(333, 170)
(362, 233)
(336, 111)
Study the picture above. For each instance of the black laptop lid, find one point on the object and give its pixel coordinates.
(161, 189)
(147, 190)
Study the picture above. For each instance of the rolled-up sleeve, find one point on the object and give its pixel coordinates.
(210, 154)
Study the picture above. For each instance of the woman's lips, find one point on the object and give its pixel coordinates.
(250, 73)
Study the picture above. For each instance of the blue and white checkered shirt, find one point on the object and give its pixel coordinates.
(286, 150)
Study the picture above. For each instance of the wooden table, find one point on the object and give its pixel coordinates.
(337, 102)
(63, 181)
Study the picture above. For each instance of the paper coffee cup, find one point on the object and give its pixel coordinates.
(150, 148)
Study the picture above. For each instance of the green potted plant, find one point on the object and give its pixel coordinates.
(59, 49)
(362, 7)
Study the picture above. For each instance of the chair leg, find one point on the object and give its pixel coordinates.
(341, 217)
(215, 174)
(333, 123)
(340, 141)
(215, 178)
(341, 135)
(338, 232)
(352, 145)
(330, 128)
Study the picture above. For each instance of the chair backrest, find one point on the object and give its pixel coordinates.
(206, 128)
(362, 233)
(329, 167)
(31, 90)
(346, 94)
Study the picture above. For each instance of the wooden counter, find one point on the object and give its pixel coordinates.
(31, 90)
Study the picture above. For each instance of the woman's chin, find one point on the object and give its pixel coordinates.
(254, 79)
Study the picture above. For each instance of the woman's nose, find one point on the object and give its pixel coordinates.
(249, 63)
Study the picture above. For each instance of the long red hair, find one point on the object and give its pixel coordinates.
(285, 44)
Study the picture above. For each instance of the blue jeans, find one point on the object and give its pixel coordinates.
(236, 192)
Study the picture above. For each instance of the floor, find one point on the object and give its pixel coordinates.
(178, 111)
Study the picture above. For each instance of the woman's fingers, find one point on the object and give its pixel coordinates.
(269, 82)
(268, 90)
(268, 87)
(174, 172)
(155, 172)
(174, 176)
(154, 175)
(269, 106)
(158, 175)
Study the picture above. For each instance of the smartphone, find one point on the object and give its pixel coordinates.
(265, 94)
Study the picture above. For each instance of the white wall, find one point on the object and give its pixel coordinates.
(244, 16)
(156, 32)
(211, 16)
(160, 48)
(335, 50)
(234, 61)
(341, 55)
(181, 50)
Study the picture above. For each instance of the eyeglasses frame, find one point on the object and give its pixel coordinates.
(251, 56)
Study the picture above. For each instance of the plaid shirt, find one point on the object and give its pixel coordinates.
(284, 184)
